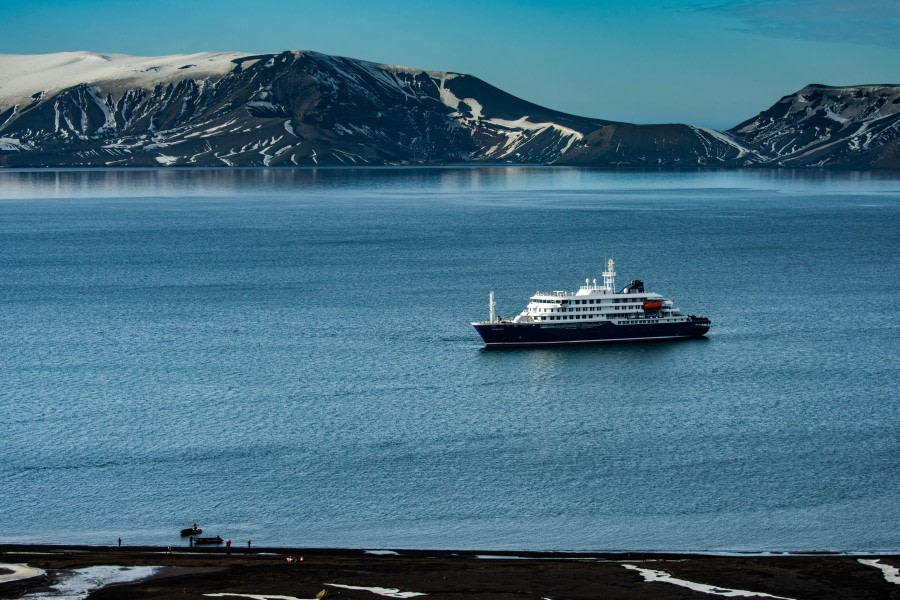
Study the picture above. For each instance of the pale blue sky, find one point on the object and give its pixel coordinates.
(712, 63)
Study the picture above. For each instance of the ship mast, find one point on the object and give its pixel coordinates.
(609, 277)
(492, 307)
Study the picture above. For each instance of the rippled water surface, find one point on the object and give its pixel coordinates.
(286, 356)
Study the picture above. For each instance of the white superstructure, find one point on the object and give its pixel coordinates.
(596, 303)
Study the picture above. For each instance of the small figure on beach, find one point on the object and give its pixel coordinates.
(120, 542)
(191, 542)
(228, 546)
(248, 545)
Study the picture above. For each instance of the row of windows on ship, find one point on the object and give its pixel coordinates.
(593, 301)
(578, 309)
(592, 316)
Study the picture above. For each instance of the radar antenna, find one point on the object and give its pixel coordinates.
(609, 277)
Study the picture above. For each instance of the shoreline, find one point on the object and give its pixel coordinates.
(483, 553)
(239, 547)
(358, 574)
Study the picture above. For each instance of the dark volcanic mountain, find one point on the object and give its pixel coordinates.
(292, 108)
(821, 126)
(306, 108)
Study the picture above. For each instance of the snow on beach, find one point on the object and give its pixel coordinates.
(387, 592)
(380, 591)
(79, 583)
(256, 596)
(891, 574)
(662, 576)
(18, 572)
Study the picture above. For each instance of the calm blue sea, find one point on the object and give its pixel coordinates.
(286, 355)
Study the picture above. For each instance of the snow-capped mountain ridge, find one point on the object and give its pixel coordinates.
(308, 108)
(24, 75)
(296, 107)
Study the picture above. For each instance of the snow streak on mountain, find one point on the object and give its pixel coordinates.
(306, 108)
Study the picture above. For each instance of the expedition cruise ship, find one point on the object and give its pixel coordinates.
(593, 314)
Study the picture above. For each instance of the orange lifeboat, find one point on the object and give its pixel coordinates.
(652, 304)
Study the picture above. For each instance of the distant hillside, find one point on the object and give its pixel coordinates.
(306, 108)
(852, 127)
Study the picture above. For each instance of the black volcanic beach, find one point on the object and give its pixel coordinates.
(358, 575)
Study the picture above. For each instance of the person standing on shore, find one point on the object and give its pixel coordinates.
(248, 546)
(228, 546)
(120, 542)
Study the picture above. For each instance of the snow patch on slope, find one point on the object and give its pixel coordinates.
(447, 97)
(834, 117)
(23, 75)
(450, 100)
(476, 107)
(515, 134)
(8, 144)
(742, 151)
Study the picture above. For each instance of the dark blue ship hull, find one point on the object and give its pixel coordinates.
(540, 334)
